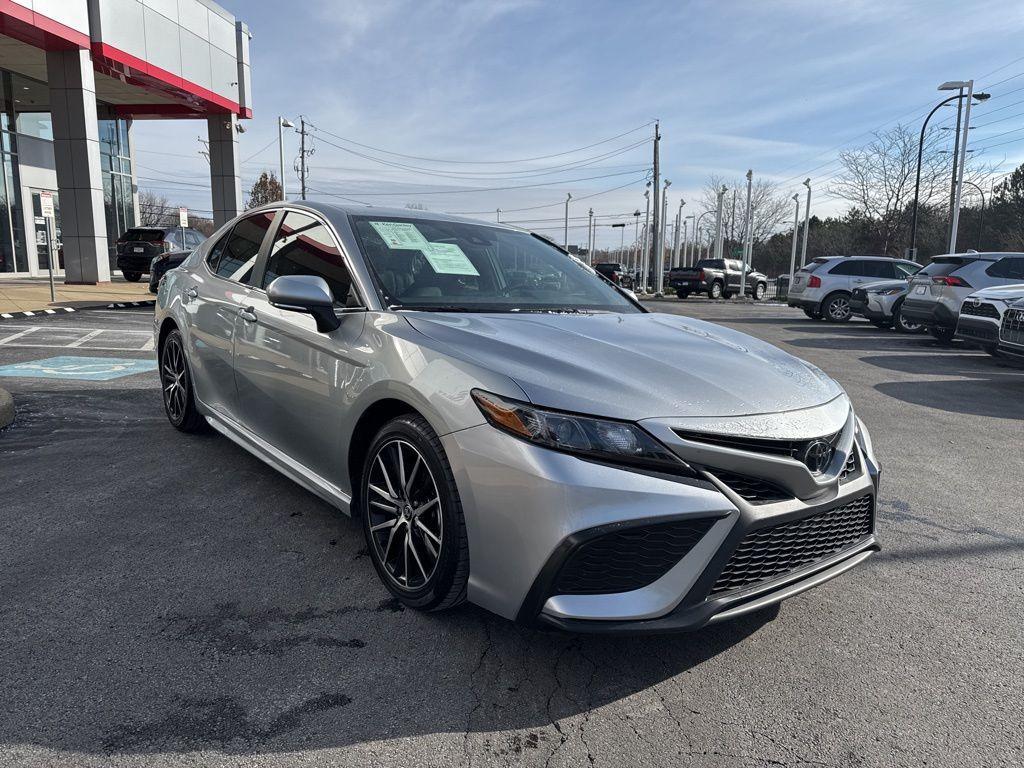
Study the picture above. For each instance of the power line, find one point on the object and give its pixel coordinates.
(549, 205)
(489, 162)
(268, 145)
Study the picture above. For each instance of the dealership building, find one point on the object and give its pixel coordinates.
(74, 77)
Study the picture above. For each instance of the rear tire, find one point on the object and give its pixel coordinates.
(760, 292)
(682, 294)
(942, 333)
(901, 324)
(836, 308)
(176, 383)
(132, 277)
(423, 557)
(716, 291)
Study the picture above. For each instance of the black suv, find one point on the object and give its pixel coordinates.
(718, 278)
(614, 272)
(137, 247)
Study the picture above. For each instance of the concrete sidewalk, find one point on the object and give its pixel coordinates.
(28, 294)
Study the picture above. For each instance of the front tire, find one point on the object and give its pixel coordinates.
(176, 383)
(836, 308)
(682, 294)
(760, 292)
(412, 516)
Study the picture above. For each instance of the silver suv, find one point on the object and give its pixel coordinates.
(938, 290)
(822, 289)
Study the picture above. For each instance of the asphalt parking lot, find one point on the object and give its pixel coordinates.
(169, 600)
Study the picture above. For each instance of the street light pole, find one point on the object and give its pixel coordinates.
(718, 221)
(981, 223)
(960, 178)
(679, 221)
(645, 254)
(796, 235)
(746, 235)
(565, 237)
(687, 246)
(590, 236)
(659, 276)
(636, 240)
(807, 223)
(282, 123)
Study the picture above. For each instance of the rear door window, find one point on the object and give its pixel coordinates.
(880, 269)
(1010, 268)
(848, 267)
(242, 246)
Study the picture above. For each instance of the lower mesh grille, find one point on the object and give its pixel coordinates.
(628, 559)
(783, 548)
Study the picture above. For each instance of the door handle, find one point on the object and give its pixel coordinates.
(191, 293)
(248, 314)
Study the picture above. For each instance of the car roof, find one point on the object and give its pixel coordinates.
(333, 209)
(857, 256)
(981, 256)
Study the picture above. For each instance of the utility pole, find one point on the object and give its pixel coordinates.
(746, 235)
(302, 155)
(647, 237)
(963, 160)
(956, 151)
(659, 265)
(719, 222)
(282, 123)
(657, 183)
(565, 237)
(807, 224)
(590, 237)
(796, 234)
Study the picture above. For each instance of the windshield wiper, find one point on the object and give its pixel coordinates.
(439, 308)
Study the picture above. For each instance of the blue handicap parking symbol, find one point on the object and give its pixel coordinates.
(79, 368)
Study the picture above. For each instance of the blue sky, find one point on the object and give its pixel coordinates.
(779, 86)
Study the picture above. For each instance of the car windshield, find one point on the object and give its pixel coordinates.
(945, 265)
(450, 266)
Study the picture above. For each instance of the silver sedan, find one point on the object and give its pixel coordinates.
(510, 427)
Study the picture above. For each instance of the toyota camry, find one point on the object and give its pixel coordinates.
(511, 428)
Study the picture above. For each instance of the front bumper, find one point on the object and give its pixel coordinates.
(134, 263)
(529, 509)
(978, 330)
(688, 286)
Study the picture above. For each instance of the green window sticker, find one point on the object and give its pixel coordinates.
(449, 259)
(400, 235)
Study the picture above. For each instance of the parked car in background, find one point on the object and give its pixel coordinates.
(549, 450)
(615, 272)
(882, 304)
(162, 264)
(718, 278)
(137, 247)
(822, 288)
(1011, 331)
(938, 291)
(982, 312)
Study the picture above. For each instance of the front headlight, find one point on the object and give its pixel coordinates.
(616, 442)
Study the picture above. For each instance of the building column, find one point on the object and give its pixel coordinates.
(76, 148)
(225, 178)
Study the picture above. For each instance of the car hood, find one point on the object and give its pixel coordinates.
(1007, 293)
(632, 366)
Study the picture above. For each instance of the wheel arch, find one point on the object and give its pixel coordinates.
(374, 416)
(832, 294)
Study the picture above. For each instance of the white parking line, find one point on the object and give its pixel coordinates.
(26, 332)
(81, 341)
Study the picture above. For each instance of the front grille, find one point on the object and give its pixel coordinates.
(795, 449)
(1012, 330)
(629, 559)
(851, 469)
(979, 310)
(752, 489)
(786, 547)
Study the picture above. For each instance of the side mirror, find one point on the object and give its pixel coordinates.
(307, 294)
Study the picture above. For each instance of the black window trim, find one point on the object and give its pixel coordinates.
(264, 255)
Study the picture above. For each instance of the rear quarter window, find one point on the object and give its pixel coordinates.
(813, 265)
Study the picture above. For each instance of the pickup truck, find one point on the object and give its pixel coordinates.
(718, 278)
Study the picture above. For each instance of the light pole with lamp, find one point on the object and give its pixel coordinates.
(796, 235)
(679, 221)
(645, 251)
(282, 123)
(565, 237)
(747, 228)
(687, 247)
(981, 223)
(636, 241)
(718, 221)
(953, 85)
(659, 276)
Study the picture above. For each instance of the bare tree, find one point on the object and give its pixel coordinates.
(878, 179)
(154, 210)
(770, 208)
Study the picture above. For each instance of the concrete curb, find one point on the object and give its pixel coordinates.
(6, 408)
(35, 312)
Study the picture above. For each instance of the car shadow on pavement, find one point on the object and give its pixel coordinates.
(170, 593)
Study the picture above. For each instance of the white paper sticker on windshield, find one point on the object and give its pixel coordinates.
(400, 235)
(449, 259)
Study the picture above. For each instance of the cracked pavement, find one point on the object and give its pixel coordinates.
(168, 600)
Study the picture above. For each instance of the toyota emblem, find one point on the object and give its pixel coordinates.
(818, 456)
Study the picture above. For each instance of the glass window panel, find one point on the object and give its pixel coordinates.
(304, 246)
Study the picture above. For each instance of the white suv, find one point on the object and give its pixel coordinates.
(938, 290)
(822, 288)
